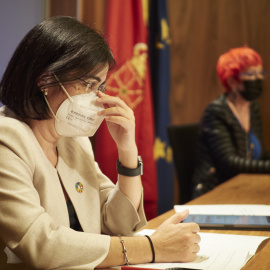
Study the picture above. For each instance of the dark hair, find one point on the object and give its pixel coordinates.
(60, 45)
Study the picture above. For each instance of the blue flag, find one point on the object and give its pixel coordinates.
(159, 41)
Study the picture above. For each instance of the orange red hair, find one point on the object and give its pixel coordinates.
(231, 63)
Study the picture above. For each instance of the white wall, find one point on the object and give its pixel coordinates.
(17, 17)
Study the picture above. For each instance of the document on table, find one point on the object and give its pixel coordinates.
(226, 209)
(217, 251)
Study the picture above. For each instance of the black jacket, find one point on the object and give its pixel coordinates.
(223, 147)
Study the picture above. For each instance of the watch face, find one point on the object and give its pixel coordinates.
(140, 164)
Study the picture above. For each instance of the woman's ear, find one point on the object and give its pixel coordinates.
(43, 80)
(234, 83)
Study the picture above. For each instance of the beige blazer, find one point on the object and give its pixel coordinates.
(34, 221)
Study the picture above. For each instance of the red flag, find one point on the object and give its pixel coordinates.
(126, 31)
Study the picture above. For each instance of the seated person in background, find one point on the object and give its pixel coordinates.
(230, 134)
(58, 211)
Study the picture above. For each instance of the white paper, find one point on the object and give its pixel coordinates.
(226, 209)
(217, 251)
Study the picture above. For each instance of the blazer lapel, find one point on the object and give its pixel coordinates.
(77, 172)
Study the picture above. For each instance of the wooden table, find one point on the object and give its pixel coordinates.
(242, 189)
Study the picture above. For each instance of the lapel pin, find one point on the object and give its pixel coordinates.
(79, 187)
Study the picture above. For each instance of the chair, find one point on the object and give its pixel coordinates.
(183, 139)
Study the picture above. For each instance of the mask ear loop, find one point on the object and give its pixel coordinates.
(63, 88)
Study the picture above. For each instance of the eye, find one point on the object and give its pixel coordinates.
(248, 74)
(89, 86)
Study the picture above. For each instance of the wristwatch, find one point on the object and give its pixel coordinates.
(130, 172)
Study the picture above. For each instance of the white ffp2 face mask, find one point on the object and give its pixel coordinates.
(77, 115)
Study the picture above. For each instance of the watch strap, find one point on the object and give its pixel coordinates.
(130, 172)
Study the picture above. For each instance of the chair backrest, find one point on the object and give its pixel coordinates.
(184, 141)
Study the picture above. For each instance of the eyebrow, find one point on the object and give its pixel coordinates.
(95, 78)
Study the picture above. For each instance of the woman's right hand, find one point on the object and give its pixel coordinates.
(176, 242)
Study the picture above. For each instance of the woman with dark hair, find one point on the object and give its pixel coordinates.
(58, 211)
(230, 136)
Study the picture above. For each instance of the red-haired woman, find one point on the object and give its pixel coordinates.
(230, 137)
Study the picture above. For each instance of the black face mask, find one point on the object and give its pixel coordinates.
(252, 89)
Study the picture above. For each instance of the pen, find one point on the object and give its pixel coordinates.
(145, 268)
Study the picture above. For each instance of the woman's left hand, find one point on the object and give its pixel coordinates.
(120, 120)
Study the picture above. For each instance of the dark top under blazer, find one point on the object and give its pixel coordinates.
(223, 146)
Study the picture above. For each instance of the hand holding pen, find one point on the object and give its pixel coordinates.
(175, 241)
